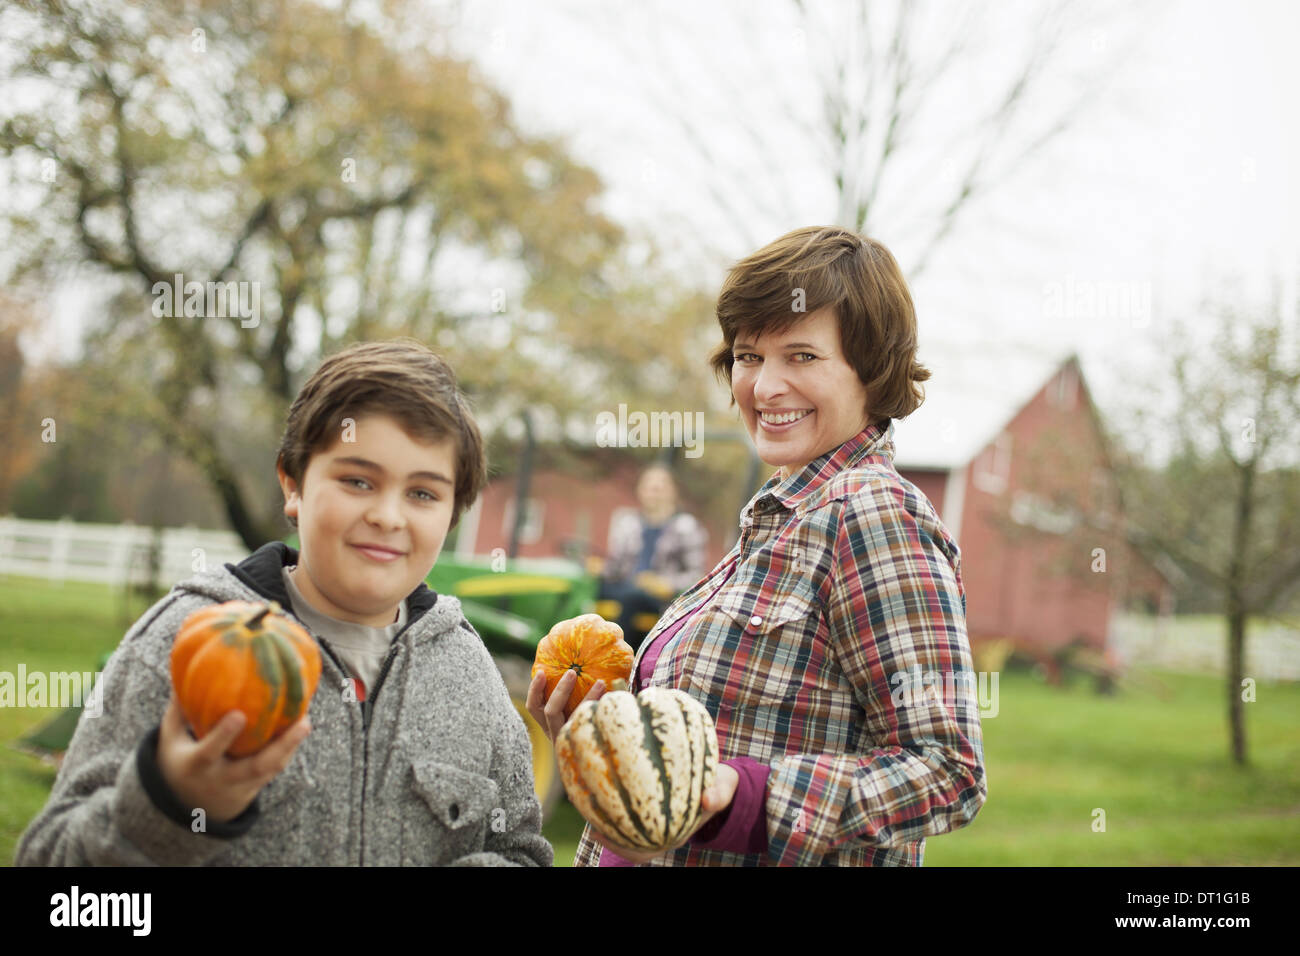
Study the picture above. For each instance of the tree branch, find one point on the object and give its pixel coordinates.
(901, 69)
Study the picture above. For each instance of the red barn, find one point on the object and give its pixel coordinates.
(1011, 452)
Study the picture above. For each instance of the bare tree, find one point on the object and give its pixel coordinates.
(864, 112)
(1226, 505)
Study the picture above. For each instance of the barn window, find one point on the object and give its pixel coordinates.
(1033, 511)
(531, 532)
(993, 467)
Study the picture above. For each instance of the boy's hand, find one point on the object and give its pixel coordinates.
(200, 773)
(550, 713)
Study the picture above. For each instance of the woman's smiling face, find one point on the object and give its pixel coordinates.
(799, 396)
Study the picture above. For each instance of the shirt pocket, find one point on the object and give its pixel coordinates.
(771, 643)
(447, 813)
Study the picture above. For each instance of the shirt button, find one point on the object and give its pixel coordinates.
(755, 621)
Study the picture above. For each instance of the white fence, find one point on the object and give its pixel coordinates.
(70, 550)
(1199, 644)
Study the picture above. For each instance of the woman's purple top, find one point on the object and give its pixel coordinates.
(742, 826)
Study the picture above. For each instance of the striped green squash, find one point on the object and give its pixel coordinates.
(637, 767)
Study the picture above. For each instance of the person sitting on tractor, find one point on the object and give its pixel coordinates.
(653, 555)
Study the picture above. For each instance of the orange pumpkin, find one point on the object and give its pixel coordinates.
(245, 656)
(588, 644)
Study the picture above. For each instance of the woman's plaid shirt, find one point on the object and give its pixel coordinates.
(831, 655)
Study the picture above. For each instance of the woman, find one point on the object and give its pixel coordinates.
(653, 554)
(810, 642)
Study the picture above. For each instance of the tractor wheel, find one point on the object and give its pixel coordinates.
(546, 773)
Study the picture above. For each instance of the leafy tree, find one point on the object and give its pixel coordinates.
(21, 419)
(358, 184)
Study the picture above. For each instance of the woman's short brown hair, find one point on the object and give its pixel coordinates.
(402, 378)
(819, 266)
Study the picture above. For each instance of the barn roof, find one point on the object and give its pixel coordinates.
(974, 391)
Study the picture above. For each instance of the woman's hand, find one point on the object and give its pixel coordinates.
(714, 800)
(551, 714)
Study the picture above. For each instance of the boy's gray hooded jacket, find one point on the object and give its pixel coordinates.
(434, 767)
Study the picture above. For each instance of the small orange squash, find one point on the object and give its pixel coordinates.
(588, 644)
(246, 656)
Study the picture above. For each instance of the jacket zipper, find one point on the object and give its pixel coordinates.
(337, 663)
(367, 705)
(367, 708)
(347, 676)
(365, 720)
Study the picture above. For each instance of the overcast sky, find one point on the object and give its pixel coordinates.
(1179, 176)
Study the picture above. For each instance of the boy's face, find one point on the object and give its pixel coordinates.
(372, 516)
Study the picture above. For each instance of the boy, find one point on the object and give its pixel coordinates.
(411, 752)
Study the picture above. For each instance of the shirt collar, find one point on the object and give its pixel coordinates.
(876, 439)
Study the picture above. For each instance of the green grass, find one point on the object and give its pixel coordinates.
(564, 829)
(1154, 758)
(47, 627)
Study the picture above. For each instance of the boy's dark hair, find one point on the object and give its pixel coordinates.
(402, 378)
(822, 266)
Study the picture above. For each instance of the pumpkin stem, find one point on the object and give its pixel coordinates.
(257, 618)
